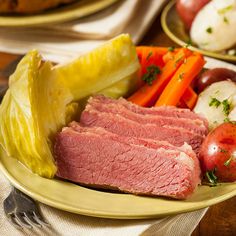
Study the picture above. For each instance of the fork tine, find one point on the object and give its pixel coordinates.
(22, 222)
(14, 222)
(39, 219)
(31, 220)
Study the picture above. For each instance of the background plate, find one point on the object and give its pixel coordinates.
(174, 28)
(65, 13)
(74, 198)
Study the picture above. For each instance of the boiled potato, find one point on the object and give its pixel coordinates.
(218, 153)
(214, 27)
(217, 102)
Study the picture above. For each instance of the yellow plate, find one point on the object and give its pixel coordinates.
(174, 28)
(61, 14)
(74, 198)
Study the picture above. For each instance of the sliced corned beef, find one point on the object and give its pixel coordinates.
(168, 111)
(151, 143)
(120, 125)
(194, 125)
(97, 157)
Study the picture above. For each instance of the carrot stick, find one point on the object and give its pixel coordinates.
(159, 50)
(147, 95)
(168, 56)
(181, 80)
(189, 97)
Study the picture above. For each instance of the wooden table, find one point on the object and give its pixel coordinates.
(220, 220)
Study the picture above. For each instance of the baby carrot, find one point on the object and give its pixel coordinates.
(189, 97)
(147, 94)
(181, 80)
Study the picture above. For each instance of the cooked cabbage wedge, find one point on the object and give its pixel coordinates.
(41, 99)
(100, 68)
(122, 88)
(32, 110)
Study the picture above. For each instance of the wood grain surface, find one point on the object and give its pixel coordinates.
(220, 219)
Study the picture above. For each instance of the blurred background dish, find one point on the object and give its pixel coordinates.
(174, 27)
(76, 9)
(23, 6)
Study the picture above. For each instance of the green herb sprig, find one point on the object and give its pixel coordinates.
(226, 106)
(212, 178)
(209, 30)
(214, 102)
(150, 75)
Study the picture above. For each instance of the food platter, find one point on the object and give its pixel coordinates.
(174, 28)
(81, 200)
(78, 199)
(65, 13)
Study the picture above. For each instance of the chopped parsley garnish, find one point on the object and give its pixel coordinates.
(211, 177)
(171, 49)
(188, 43)
(226, 107)
(150, 75)
(227, 119)
(214, 102)
(223, 150)
(181, 76)
(225, 104)
(226, 20)
(227, 163)
(209, 30)
(148, 56)
(225, 9)
(178, 60)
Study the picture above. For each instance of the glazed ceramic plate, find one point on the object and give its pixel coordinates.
(174, 28)
(81, 200)
(61, 14)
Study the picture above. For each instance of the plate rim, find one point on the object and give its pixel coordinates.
(52, 16)
(172, 36)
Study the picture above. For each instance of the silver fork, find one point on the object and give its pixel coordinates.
(22, 210)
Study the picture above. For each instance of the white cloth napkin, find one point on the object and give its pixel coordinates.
(67, 40)
(68, 224)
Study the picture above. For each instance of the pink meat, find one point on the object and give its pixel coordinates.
(194, 125)
(151, 143)
(168, 111)
(120, 125)
(98, 158)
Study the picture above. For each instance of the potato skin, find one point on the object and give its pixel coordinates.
(218, 152)
(188, 9)
(213, 75)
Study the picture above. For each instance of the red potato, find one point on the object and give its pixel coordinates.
(188, 9)
(218, 152)
(214, 75)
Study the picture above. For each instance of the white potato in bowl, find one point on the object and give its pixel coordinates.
(214, 27)
(213, 102)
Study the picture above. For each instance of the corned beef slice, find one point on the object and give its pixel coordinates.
(126, 127)
(194, 125)
(151, 143)
(94, 156)
(167, 111)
